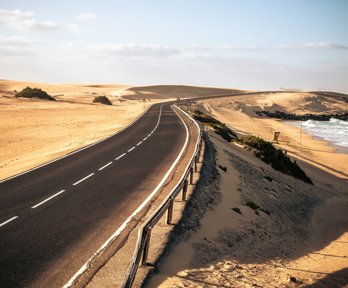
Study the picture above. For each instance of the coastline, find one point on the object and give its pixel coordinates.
(339, 148)
(294, 245)
(300, 243)
(238, 113)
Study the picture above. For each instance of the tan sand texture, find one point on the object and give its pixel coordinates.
(34, 131)
(238, 113)
(303, 240)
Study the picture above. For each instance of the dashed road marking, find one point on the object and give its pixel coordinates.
(139, 143)
(119, 157)
(49, 198)
(9, 220)
(131, 149)
(106, 165)
(83, 179)
(145, 138)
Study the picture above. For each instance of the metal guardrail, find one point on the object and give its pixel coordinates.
(144, 234)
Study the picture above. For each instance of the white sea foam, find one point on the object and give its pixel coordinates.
(334, 131)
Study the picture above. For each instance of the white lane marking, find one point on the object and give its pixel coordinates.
(119, 157)
(9, 220)
(124, 225)
(145, 138)
(49, 198)
(149, 135)
(83, 179)
(106, 165)
(131, 149)
(139, 143)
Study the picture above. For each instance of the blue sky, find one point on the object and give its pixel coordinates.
(250, 44)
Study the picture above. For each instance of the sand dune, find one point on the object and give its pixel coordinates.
(175, 91)
(302, 242)
(239, 113)
(298, 236)
(33, 131)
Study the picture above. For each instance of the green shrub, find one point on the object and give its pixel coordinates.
(252, 205)
(34, 93)
(102, 100)
(256, 208)
(275, 157)
(237, 210)
(220, 128)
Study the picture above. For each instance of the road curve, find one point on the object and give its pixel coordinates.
(52, 219)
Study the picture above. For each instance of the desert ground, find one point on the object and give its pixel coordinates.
(300, 241)
(33, 131)
(298, 237)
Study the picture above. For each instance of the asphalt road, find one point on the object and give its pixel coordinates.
(54, 218)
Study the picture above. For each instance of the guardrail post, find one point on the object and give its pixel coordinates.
(169, 215)
(191, 175)
(196, 161)
(146, 247)
(184, 190)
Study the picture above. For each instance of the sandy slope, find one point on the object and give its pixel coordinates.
(33, 132)
(303, 242)
(238, 113)
(175, 91)
(304, 238)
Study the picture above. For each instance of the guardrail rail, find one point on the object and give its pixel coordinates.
(143, 243)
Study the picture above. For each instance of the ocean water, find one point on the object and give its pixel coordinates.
(334, 131)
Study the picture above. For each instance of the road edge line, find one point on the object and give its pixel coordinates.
(85, 266)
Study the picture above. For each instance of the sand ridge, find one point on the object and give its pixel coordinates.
(33, 131)
(298, 237)
(238, 112)
(293, 246)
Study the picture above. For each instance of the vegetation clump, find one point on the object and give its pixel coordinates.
(34, 93)
(102, 100)
(237, 210)
(220, 128)
(275, 157)
(223, 168)
(256, 208)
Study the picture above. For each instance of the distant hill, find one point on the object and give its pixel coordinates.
(175, 91)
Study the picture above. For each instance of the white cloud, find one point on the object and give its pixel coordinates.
(126, 50)
(315, 46)
(14, 46)
(24, 20)
(75, 29)
(86, 16)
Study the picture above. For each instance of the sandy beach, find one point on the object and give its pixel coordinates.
(296, 238)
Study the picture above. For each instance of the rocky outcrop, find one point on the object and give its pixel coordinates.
(304, 117)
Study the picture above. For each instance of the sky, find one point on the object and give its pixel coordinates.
(245, 44)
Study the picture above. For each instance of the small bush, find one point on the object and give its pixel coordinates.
(220, 128)
(102, 100)
(252, 205)
(223, 168)
(237, 210)
(265, 211)
(34, 93)
(256, 208)
(275, 157)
